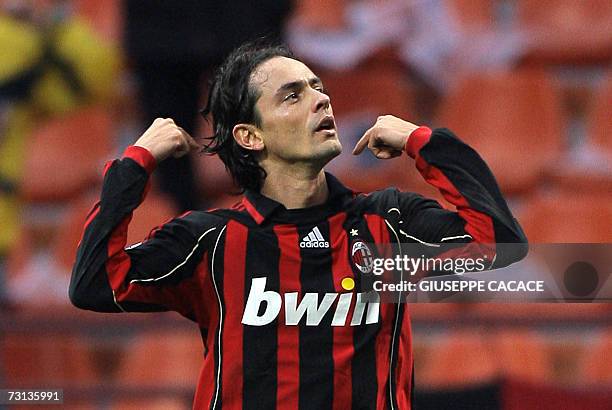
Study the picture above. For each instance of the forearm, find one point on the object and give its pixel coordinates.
(466, 181)
(102, 263)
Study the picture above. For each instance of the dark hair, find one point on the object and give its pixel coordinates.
(231, 101)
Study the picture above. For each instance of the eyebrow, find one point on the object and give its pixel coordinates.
(293, 85)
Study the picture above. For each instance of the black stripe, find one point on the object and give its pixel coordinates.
(219, 275)
(365, 383)
(316, 342)
(396, 325)
(260, 343)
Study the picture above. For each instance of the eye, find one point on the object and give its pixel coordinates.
(292, 96)
(322, 89)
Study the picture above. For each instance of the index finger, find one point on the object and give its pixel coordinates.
(190, 140)
(362, 143)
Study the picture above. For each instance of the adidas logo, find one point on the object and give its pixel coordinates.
(314, 240)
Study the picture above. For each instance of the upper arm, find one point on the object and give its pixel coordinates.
(166, 270)
(424, 220)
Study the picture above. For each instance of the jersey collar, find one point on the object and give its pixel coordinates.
(262, 208)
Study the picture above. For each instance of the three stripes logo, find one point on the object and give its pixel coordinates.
(314, 239)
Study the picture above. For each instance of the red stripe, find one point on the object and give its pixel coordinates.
(118, 262)
(378, 229)
(252, 211)
(416, 140)
(343, 348)
(234, 260)
(478, 224)
(142, 156)
(405, 363)
(107, 166)
(288, 358)
(92, 214)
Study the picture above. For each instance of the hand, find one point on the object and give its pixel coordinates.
(164, 138)
(387, 138)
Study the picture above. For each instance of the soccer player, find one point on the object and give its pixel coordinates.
(271, 281)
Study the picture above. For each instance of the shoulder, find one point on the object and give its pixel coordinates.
(384, 199)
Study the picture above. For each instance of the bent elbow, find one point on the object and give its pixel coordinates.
(78, 298)
(90, 292)
(508, 253)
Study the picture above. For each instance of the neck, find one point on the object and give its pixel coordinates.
(295, 188)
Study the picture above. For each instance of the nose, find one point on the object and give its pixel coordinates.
(322, 101)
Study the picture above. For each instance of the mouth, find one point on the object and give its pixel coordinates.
(327, 124)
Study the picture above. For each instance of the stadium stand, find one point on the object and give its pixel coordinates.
(521, 354)
(495, 114)
(460, 358)
(567, 31)
(66, 155)
(568, 217)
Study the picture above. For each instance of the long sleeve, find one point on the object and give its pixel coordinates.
(464, 179)
(158, 274)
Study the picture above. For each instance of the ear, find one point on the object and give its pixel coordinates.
(248, 136)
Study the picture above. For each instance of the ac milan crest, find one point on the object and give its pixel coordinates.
(362, 256)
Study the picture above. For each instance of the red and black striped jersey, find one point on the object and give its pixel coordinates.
(265, 283)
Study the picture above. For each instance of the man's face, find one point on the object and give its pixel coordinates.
(297, 122)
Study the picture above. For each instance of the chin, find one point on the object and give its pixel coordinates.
(327, 151)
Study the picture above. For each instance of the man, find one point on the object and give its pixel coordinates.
(269, 281)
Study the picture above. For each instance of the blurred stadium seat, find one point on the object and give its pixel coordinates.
(589, 168)
(568, 217)
(457, 359)
(45, 361)
(66, 155)
(597, 364)
(513, 120)
(151, 404)
(567, 31)
(162, 360)
(315, 14)
(524, 395)
(372, 87)
(474, 14)
(521, 354)
(104, 17)
(600, 118)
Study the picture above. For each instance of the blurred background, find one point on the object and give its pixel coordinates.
(528, 83)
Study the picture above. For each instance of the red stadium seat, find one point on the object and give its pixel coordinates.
(65, 155)
(373, 88)
(568, 217)
(473, 14)
(177, 360)
(316, 14)
(600, 119)
(522, 354)
(591, 170)
(512, 119)
(568, 31)
(455, 360)
(597, 364)
(524, 395)
(152, 404)
(49, 361)
(105, 17)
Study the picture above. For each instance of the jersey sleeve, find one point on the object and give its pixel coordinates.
(161, 273)
(465, 181)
